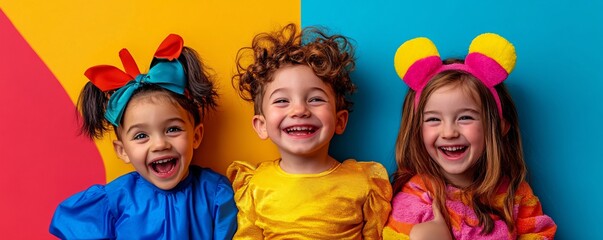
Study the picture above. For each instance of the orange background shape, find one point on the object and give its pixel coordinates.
(46, 47)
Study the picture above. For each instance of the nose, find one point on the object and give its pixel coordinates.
(160, 143)
(299, 109)
(449, 130)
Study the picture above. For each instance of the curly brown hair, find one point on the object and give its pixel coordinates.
(331, 57)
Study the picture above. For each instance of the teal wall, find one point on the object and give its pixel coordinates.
(556, 85)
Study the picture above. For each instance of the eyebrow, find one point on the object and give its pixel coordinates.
(311, 89)
(460, 111)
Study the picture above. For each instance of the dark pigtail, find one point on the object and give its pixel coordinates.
(92, 102)
(200, 85)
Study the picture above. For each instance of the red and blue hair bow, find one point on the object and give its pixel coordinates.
(168, 74)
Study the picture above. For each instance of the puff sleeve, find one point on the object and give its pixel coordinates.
(225, 217)
(377, 206)
(85, 215)
(240, 174)
(531, 222)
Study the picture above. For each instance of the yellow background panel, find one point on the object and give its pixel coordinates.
(70, 36)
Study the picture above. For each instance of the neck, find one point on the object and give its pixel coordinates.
(462, 180)
(306, 164)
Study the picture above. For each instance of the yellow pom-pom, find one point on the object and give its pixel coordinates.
(411, 51)
(497, 48)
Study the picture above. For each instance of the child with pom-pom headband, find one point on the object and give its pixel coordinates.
(461, 171)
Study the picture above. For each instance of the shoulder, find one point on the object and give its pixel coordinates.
(95, 192)
(525, 195)
(369, 168)
(417, 188)
(376, 177)
(121, 184)
(87, 214)
(412, 205)
(94, 200)
(523, 190)
(373, 173)
(209, 178)
(239, 173)
(238, 168)
(241, 170)
(206, 174)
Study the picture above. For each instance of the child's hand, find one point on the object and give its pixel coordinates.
(435, 229)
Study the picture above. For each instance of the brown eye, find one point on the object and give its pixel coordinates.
(139, 136)
(316, 99)
(280, 100)
(174, 129)
(431, 119)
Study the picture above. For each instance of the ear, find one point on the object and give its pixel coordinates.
(198, 136)
(505, 126)
(259, 125)
(342, 121)
(120, 151)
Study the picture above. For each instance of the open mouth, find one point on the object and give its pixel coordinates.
(164, 167)
(300, 130)
(453, 151)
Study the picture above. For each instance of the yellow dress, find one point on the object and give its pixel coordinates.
(349, 201)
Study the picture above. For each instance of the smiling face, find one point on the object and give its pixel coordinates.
(453, 133)
(299, 113)
(158, 138)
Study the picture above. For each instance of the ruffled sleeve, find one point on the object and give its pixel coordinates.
(85, 215)
(531, 222)
(410, 206)
(240, 174)
(225, 220)
(377, 205)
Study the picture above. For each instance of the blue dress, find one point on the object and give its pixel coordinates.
(199, 207)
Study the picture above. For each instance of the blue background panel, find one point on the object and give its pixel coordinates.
(556, 85)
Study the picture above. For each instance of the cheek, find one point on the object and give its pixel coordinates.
(428, 135)
(271, 120)
(476, 136)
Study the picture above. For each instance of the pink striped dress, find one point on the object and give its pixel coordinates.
(413, 205)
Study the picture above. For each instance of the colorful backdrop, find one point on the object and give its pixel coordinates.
(46, 47)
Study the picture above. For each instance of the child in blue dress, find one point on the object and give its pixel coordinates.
(157, 120)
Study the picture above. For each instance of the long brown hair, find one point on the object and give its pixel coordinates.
(501, 160)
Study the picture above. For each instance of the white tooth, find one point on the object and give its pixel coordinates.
(452, 148)
(162, 161)
(293, 129)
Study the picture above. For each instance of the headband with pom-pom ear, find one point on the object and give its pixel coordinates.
(491, 59)
(415, 61)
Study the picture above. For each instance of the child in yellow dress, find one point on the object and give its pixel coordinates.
(298, 83)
